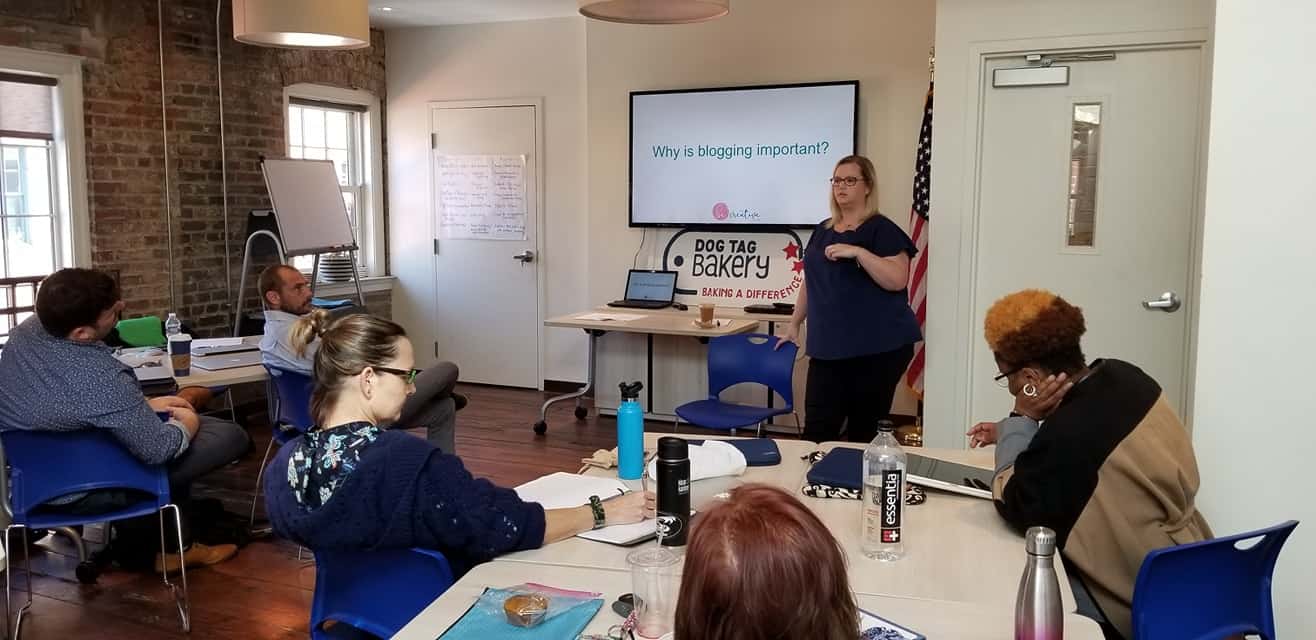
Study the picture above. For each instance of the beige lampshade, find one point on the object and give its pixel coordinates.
(654, 11)
(302, 24)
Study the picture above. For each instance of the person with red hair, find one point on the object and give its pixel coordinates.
(750, 561)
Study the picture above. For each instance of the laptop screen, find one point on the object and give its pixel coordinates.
(651, 285)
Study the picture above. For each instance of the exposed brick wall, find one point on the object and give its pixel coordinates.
(125, 149)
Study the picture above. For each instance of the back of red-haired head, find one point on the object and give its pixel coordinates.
(762, 566)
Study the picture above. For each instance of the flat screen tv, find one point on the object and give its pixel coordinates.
(738, 156)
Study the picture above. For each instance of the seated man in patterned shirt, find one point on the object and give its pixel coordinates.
(59, 376)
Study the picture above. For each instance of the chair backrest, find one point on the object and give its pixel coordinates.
(750, 357)
(44, 465)
(376, 591)
(290, 395)
(146, 331)
(1210, 589)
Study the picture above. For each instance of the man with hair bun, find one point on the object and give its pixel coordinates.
(1093, 451)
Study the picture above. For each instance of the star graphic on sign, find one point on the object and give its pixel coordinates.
(792, 250)
(797, 267)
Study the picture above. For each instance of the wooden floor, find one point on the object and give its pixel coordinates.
(265, 592)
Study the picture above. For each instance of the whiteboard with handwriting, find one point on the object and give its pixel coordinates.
(482, 197)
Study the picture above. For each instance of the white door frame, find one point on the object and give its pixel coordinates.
(968, 337)
(540, 213)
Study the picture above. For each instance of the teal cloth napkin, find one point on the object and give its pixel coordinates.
(486, 621)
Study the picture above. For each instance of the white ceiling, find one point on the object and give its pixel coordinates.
(428, 13)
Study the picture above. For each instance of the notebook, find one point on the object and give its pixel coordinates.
(759, 452)
(564, 490)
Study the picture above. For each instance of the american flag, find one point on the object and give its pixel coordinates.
(918, 223)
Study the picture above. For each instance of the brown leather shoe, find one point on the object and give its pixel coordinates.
(198, 555)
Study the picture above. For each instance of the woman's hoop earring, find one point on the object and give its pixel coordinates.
(1030, 390)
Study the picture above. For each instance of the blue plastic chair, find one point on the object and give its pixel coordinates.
(289, 394)
(1209, 590)
(87, 461)
(375, 591)
(748, 357)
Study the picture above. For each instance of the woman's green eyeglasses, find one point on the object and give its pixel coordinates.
(408, 374)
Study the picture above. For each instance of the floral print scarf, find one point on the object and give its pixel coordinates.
(324, 459)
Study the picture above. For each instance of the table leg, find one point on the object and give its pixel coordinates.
(541, 427)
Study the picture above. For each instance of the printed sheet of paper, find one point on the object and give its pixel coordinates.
(482, 197)
(608, 317)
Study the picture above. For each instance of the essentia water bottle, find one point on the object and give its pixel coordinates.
(884, 496)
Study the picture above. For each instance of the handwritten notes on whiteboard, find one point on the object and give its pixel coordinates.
(482, 197)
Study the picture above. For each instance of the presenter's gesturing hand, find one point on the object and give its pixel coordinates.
(841, 251)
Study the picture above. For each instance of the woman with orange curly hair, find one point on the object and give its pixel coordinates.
(1094, 452)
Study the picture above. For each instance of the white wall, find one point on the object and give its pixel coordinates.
(1253, 424)
(964, 29)
(540, 58)
(882, 43)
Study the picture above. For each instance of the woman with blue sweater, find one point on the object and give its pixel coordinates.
(861, 330)
(350, 484)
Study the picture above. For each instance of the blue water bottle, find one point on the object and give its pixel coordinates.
(630, 432)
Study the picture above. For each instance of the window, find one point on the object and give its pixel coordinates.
(43, 180)
(1084, 152)
(342, 126)
(28, 225)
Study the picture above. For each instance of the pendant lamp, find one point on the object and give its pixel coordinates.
(302, 24)
(654, 11)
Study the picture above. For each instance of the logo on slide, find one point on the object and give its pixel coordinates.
(721, 211)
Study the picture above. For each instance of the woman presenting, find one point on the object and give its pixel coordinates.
(862, 331)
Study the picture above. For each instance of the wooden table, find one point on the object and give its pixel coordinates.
(936, 619)
(957, 547)
(649, 323)
(224, 377)
(587, 553)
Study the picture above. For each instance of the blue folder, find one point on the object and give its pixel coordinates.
(842, 467)
(759, 452)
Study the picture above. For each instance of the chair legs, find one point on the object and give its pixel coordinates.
(676, 423)
(180, 599)
(799, 427)
(12, 631)
(260, 474)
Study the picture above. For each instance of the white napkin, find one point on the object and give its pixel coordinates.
(713, 459)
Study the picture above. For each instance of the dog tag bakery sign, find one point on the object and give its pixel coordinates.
(736, 269)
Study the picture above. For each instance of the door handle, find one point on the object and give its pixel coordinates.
(1168, 302)
(525, 256)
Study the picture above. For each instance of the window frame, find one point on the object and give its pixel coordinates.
(370, 209)
(72, 219)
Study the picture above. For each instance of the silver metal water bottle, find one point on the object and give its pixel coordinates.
(1037, 611)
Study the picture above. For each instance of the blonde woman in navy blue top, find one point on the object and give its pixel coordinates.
(861, 329)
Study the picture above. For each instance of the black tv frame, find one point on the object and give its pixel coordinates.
(630, 159)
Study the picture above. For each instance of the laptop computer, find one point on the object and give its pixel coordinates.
(219, 362)
(648, 290)
(844, 467)
(222, 346)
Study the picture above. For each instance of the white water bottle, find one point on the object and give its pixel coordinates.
(884, 496)
(173, 325)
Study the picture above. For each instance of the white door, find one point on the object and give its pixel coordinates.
(486, 307)
(1091, 190)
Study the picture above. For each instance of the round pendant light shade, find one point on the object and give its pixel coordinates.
(654, 11)
(302, 24)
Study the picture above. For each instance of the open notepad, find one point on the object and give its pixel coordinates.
(563, 490)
